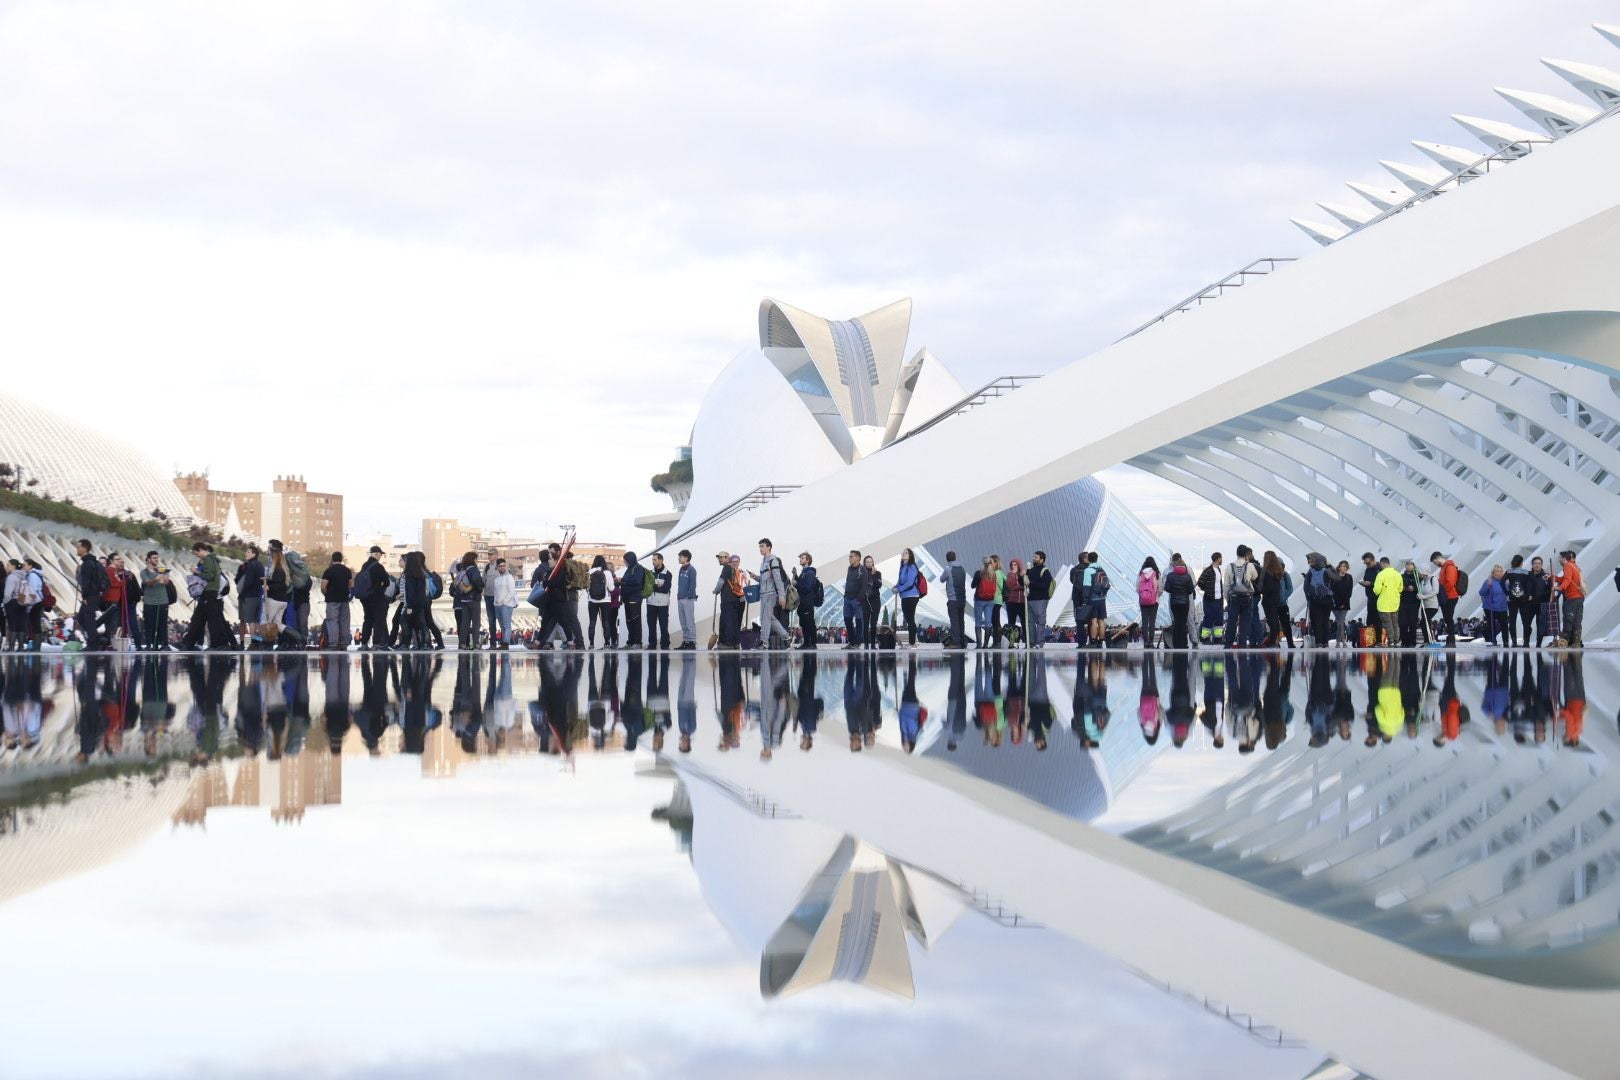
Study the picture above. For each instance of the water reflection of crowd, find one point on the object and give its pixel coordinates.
(122, 706)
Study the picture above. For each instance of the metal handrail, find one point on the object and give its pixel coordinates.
(1465, 173)
(1214, 289)
(991, 390)
(758, 497)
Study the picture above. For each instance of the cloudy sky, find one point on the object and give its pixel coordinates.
(482, 261)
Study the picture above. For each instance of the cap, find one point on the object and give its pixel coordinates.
(723, 555)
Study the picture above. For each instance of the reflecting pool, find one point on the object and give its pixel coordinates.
(672, 864)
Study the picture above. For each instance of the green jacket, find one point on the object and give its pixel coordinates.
(209, 571)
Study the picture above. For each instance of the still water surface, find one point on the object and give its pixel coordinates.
(675, 864)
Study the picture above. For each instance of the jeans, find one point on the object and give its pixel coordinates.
(570, 619)
(632, 623)
(982, 631)
(855, 619)
(1341, 625)
(337, 624)
(1574, 609)
(503, 620)
(686, 612)
(490, 616)
(467, 627)
(658, 626)
(155, 626)
(1239, 620)
(1037, 622)
(957, 610)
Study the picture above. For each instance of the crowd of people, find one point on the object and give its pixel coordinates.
(1241, 603)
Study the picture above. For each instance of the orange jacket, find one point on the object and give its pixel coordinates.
(1448, 580)
(1569, 582)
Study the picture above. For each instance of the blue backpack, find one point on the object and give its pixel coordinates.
(362, 583)
(435, 585)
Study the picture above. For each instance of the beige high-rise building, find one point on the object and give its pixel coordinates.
(443, 541)
(307, 521)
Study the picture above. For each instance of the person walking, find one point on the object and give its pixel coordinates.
(1494, 599)
(811, 594)
(909, 585)
(1450, 590)
(466, 599)
(337, 586)
(1147, 598)
(500, 586)
(954, 578)
(1386, 588)
(1178, 588)
(1015, 594)
(658, 604)
(278, 596)
(208, 606)
(855, 590)
(1242, 578)
(157, 593)
(773, 598)
(632, 585)
(686, 592)
(1521, 597)
(874, 599)
(1567, 582)
(1040, 595)
(1212, 583)
(92, 582)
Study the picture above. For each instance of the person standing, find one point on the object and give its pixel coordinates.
(1494, 599)
(1541, 601)
(1520, 589)
(155, 600)
(1272, 603)
(1079, 596)
(1411, 605)
(954, 578)
(1040, 594)
(599, 605)
(93, 582)
(278, 592)
(1147, 597)
(337, 581)
(1319, 579)
(631, 584)
(1567, 582)
(726, 588)
(908, 586)
(413, 590)
(1241, 578)
(371, 589)
(686, 593)
(658, 604)
(855, 590)
(808, 585)
(1015, 592)
(1447, 595)
(16, 610)
(578, 577)
(1386, 588)
(1099, 599)
(119, 614)
(1212, 583)
(466, 597)
(500, 587)
(773, 599)
(490, 619)
(1344, 590)
(985, 623)
(874, 599)
(1178, 588)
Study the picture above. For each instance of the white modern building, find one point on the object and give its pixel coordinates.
(1444, 374)
(818, 397)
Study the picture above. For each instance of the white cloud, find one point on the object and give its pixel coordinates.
(535, 232)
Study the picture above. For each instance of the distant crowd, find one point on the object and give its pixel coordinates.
(1242, 603)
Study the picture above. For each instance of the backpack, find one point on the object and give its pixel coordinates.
(984, 585)
(1462, 582)
(28, 596)
(1099, 583)
(362, 584)
(597, 586)
(1242, 583)
(819, 597)
(579, 575)
(297, 570)
(1316, 586)
(1147, 588)
(435, 585)
(648, 583)
(46, 597)
(922, 584)
(391, 590)
(1515, 587)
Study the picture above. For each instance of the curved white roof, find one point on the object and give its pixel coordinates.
(1498, 136)
(1553, 113)
(1417, 177)
(1598, 83)
(71, 461)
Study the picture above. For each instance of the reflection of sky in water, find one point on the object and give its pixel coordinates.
(527, 915)
(521, 919)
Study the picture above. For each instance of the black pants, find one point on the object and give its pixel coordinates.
(632, 623)
(1279, 625)
(413, 628)
(957, 611)
(1150, 624)
(432, 627)
(871, 607)
(155, 626)
(1409, 624)
(1321, 612)
(89, 621)
(731, 612)
(467, 625)
(603, 613)
(1523, 613)
(1448, 618)
(658, 626)
(1016, 616)
(374, 628)
(1178, 624)
(570, 620)
(908, 608)
(807, 627)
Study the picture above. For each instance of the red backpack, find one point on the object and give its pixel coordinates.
(986, 588)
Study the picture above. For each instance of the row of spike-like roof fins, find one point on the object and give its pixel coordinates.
(1554, 116)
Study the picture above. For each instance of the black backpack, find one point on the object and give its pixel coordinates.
(598, 589)
(1462, 582)
(1515, 587)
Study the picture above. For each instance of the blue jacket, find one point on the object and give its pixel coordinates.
(630, 583)
(905, 582)
(686, 583)
(804, 579)
(1493, 594)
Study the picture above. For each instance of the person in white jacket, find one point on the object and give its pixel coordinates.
(500, 592)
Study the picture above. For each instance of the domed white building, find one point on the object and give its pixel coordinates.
(72, 461)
